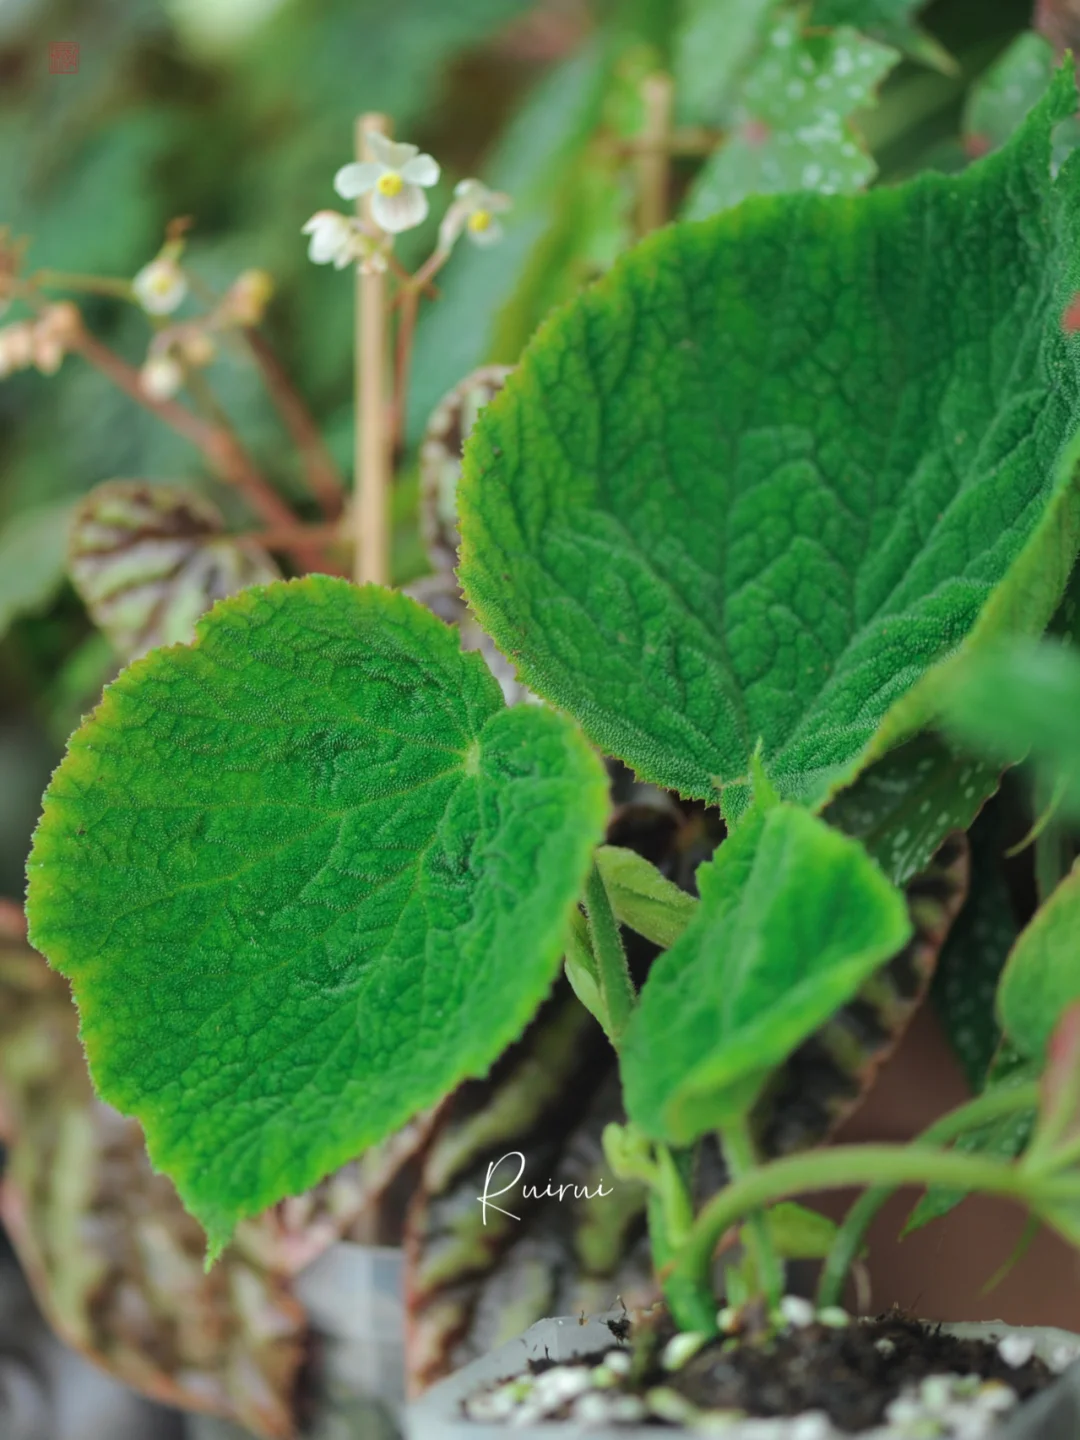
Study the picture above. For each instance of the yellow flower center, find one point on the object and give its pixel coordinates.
(480, 220)
(390, 184)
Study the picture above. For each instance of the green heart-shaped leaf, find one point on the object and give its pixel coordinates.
(777, 465)
(306, 875)
(793, 918)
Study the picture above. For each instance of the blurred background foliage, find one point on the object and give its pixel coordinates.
(237, 113)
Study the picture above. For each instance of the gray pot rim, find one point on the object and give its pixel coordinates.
(436, 1415)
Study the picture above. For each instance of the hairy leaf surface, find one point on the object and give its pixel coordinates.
(763, 477)
(305, 876)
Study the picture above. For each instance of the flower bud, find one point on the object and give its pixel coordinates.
(161, 377)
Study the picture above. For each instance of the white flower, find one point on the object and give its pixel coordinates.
(161, 377)
(160, 287)
(333, 239)
(398, 176)
(340, 239)
(474, 210)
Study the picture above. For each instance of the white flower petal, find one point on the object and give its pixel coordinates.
(409, 207)
(467, 189)
(420, 170)
(390, 155)
(498, 202)
(332, 238)
(357, 178)
(491, 234)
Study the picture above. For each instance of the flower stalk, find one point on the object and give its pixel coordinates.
(371, 563)
(653, 158)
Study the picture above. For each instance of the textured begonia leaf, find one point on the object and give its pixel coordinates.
(790, 129)
(793, 918)
(642, 898)
(1000, 99)
(305, 876)
(904, 805)
(1041, 978)
(825, 1078)
(756, 482)
(148, 560)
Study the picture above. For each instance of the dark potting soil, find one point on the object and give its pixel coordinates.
(817, 1367)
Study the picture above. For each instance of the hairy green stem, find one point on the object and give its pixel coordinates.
(850, 1236)
(616, 987)
(742, 1161)
(845, 1165)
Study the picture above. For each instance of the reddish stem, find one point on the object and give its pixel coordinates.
(323, 476)
(221, 448)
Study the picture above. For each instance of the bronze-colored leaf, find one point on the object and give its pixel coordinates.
(440, 460)
(148, 560)
(115, 1262)
(472, 1284)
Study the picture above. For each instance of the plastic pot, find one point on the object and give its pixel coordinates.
(353, 1296)
(1053, 1415)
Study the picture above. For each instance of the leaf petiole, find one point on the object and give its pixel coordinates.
(612, 974)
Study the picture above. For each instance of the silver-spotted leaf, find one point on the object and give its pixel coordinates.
(305, 876)
(793, 918)
(148, 560)
(715, 43)
(904, 805)
(889, 20)
(791, 128)
(759, 480)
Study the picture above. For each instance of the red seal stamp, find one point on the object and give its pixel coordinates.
(63, 58)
